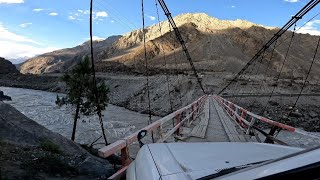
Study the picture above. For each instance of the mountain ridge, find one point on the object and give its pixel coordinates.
(215, 45)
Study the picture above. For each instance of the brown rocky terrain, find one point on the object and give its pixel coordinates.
(215, 45)
(6, 67)
(219, 48)
(30, 151)
(62, 60)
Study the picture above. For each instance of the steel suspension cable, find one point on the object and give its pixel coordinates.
(165, 60)
(94, 77)
(289, 24)
(176, 64)
(251, 87)
(283, 63)
(305, 80)
(269, 63)
(146, 65)
(299, 28)
(277, 45)
(180, 39)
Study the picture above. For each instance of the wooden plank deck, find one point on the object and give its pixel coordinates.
(201, 129)
(215, 126)
(234, 134)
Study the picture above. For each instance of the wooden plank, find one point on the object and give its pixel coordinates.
(201, 129)
(229, 126)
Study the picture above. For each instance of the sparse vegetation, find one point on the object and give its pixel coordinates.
(82, 93)
(49, 163)
(50, 146)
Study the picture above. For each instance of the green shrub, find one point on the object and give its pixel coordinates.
(50, 146)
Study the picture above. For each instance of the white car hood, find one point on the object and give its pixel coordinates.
(196, 160)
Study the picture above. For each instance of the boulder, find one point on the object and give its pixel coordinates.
(273, 103)
(312, 114)
(4, 97)
(295, 114)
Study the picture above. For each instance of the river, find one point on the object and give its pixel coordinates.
(40, 106)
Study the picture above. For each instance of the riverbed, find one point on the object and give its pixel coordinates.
(40, 106)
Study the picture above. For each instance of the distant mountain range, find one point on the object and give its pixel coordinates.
(19, 60)
(215, 45)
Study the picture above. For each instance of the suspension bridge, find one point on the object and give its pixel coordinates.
(212, 118)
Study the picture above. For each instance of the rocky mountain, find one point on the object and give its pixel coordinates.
(215, 45)
(64, 59)
(6, 67)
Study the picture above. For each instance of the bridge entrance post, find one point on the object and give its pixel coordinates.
(125, 160)
(178, 120)
(193, 108)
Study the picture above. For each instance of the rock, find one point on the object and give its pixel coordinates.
(312, 114)
(273, 103)
(4, 97)
(295, 114)
(94, 166)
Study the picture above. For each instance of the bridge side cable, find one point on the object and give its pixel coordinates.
(306, 79)
(180, 39)
(176, 64)
(281, 68)
(287, 26)
(146, 65)
(165, 60)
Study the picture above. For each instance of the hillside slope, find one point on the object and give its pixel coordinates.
(64, 59)
(215, 45)
(6, 67)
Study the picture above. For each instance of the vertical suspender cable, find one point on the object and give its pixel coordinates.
(284, 29)
(94, 78)
(146, 65)
(180, 39)
(165, 61)
(176, 64)
(283, 63)
(305, 80)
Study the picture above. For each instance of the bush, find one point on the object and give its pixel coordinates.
(50, 146)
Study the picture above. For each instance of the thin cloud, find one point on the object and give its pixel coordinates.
(53, 14)
(37, 10)
(152, 18)
(6, 35)
(312, 28)
(71, 18)
(292, 1)
(82, 14)
(11, 1)
(101, 14)
(233, 6)
(24, 25)
(10, 50)
(15, 46)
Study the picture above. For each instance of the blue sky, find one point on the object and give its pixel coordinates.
(30, 27)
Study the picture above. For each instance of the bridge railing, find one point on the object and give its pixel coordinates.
(247, 121)
(175, 119)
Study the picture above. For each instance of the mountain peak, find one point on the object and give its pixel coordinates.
(206, 22)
